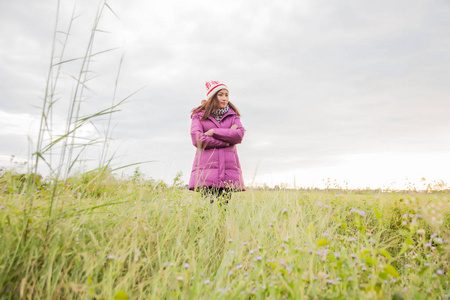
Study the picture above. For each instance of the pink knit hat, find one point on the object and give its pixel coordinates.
(212, 87)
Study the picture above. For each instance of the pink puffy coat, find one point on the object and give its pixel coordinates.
(216, 164)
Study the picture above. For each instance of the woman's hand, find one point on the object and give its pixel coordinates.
(210, 132)
(234, 126)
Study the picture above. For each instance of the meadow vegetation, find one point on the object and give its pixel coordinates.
(127, 238)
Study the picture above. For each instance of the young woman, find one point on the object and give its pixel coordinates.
(216, 129)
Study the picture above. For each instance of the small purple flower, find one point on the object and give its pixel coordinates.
(440, 272)
(186, 266)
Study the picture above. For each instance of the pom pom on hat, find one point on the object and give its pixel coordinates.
(212, 87)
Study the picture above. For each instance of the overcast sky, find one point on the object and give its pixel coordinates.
(354, 91)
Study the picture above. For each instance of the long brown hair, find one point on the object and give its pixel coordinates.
(211, 105)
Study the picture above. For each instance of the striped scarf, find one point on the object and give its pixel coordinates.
(218, 114)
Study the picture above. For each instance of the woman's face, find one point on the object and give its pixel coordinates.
(222, 98)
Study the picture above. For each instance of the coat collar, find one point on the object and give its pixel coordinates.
(229, 112)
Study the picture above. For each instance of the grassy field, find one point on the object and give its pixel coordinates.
(112, 238)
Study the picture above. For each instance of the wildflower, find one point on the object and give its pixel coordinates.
(362, 213)
(251, 251)
(351, 240)
(231, 252)
(337, 255)
(428, 245)
(285, 211)
(325, 234)
(420, 231)
(186, 266)
(230, 240)
(111, 256)
(270, 224)
(244, 243)
(407, 266)
(331, 281)
(259, 258)
(207, 281)
(349, 278)
(238, 267)
(433, 235)
(439, 241)
(318, 203)
(230, 273)
(405, 216)
(180, 278)
(440, 272)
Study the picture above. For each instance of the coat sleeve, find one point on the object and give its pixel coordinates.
(200, 140)
(232, 136)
